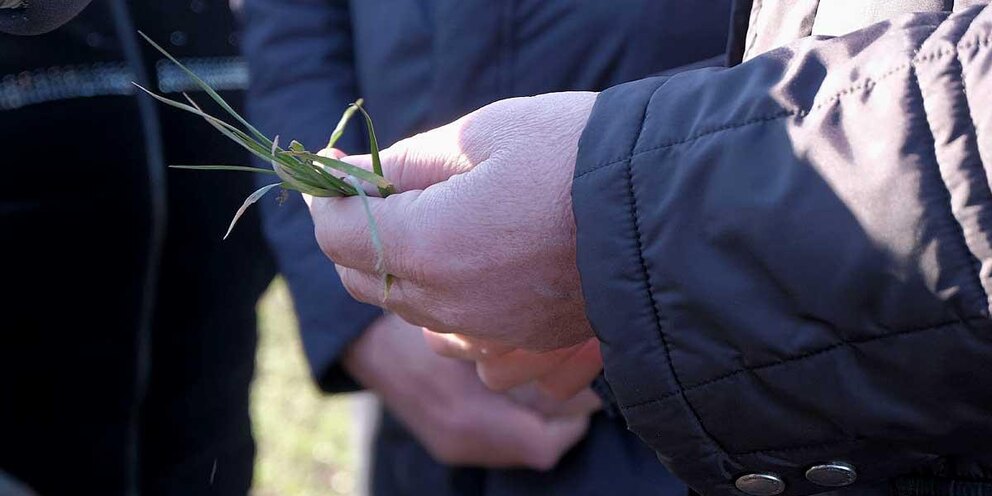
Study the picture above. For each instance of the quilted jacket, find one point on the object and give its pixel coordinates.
(788, 260)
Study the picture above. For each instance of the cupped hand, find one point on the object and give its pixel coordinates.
(481, 238)
(452, 414)
(562, 373)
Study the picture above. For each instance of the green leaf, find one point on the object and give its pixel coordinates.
(226, 129)
(346, 168)
(254, 197)
(284, 173)
(208, 90)
(304, 176)
(241, 168)
(384, 191)
(380, 253)
(321, 175)
(339, 129)
(296, 146)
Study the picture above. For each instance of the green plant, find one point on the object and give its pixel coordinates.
(296, 168)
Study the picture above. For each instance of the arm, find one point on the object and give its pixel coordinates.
(301, 64)
(787, 262)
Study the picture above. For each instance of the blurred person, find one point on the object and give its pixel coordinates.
(419, 64)
(125, 361)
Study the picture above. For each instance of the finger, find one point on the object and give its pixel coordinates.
(342, 230)
(575, 373)
(522, 438)
(371, 288)
(332, 153)
(530, 395)
(404, 298)
(520, 366)
(585, 402)
(425, 159)
(464, 347)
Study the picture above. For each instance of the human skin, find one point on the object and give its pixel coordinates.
(480, 238)
(454, 416)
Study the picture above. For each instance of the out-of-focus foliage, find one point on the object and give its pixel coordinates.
(305, 441)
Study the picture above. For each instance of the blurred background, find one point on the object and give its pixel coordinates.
(308, 444)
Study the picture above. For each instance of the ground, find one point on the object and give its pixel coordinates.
(305, 439)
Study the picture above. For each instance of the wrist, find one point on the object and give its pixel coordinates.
(357, 354)
(363, 359)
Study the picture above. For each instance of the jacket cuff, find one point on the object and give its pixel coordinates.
(601, 387)
(635, 356)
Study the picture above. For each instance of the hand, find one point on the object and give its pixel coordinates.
(562, 373)
(481, 241)
(452, 414)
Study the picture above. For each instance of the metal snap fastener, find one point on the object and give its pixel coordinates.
(833, 474)
(760, 484)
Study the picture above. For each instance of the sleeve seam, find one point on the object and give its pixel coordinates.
(786, 361)
(656, 311)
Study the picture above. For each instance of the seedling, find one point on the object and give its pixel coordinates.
(296, 168)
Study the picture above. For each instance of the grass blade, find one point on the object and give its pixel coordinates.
(346, 168)
(339, 129)
(241, 168)
(226, 129)
(302, 176)
(252, 198)
(208, 90)
(380, 253)
(374, 146)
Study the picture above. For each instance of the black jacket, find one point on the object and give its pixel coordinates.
(128, 331)
(419, 64)
(788, 261)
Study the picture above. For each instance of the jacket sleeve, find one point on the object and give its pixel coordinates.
(300, 60)
(788, 261)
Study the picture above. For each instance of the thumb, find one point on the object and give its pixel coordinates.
(427, 158)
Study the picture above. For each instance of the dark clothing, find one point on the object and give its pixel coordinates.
(787, 261)
(127, 346)
(420, 64)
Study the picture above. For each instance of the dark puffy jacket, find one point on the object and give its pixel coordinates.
(128, 338)
(419, 64)
(788, 261)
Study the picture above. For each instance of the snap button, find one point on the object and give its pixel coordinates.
(760, 484)
(833, 474)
